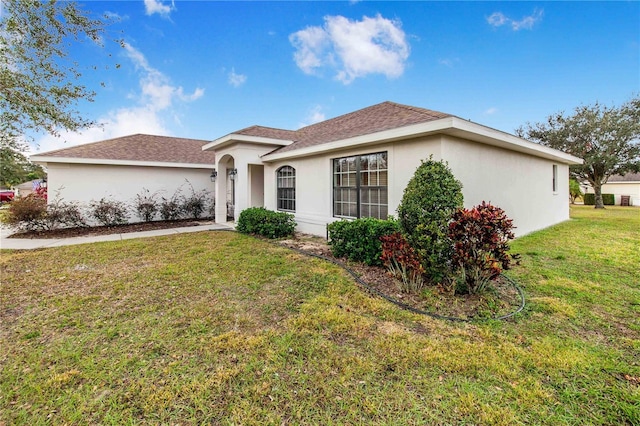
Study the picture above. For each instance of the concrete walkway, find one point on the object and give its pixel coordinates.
(30, 244)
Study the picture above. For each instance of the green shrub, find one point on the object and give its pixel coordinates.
(267, 223)
(359, 239)
(431, 197)
(608, 199)
(589, 199)
(575, 191)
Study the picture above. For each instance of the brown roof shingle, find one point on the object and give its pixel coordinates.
(140, 147)
(376, 118)
(629, 177)
(267, 132)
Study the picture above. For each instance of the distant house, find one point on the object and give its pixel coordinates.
(25, 188)
(628, 184)
(120, 168)
(354, 165)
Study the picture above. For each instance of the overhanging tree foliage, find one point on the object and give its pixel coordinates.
(607, 138)
(15, 168)
(39, 87)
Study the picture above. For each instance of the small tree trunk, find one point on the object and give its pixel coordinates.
(597, 188)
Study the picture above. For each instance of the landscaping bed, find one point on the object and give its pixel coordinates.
(501, 298)
(114, 229)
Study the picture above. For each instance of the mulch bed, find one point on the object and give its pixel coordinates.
(107, 230)
(501, 299)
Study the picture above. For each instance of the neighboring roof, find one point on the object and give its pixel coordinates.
(135, 149)
(25, 185)
(629, 177)
(384, 122)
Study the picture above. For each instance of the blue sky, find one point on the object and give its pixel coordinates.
(203, 69)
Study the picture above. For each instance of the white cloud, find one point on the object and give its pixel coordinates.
(154, 103)
(236, 80)
(498, 19)
(352, 48)
(449, 62)
(491, 111)
(159, 7)
(315, 115)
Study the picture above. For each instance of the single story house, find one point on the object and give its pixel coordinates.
(121, 168)
(618, 185)
(358, 165)
(354, 165)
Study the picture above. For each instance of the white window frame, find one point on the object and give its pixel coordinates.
(285, 186)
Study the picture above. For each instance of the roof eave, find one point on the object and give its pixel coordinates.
(449, 125)
(44, 160)
(489, 136)
(235, 138)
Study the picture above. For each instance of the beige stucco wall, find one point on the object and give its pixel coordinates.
(245, 158)
(83, 183)
(621, 188)
(518, 183)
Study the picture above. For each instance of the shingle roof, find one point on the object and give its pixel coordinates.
(376, 118)
(629, 177)
(139, 147)
(267, 132)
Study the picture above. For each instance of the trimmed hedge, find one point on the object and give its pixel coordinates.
(359, 240)
(607, 199)
(267, 223)
(589, 199)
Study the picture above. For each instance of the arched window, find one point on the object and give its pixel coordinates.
(286, 183)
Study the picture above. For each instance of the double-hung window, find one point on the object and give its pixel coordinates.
(286, 184)
(360, 186)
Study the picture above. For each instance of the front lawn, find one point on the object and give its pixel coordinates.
(221, 328)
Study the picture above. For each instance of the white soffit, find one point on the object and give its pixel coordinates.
(234, 138)
(453, 126)
(101, 161)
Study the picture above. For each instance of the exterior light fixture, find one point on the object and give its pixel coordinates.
(233, 173)
(214, 175)
(44, 182)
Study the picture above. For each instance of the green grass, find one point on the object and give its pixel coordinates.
(221, 328)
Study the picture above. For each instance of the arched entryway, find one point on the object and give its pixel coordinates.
(226, 190)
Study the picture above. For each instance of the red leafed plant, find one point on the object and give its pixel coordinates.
(403, 262)
(480, 239)
(41, 192)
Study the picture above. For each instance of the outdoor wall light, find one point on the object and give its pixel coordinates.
(44, 182)
(233, 173)
(214, 175)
